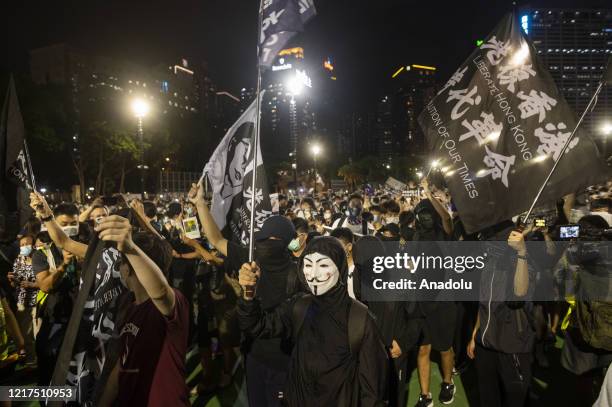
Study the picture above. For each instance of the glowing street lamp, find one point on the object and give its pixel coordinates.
(140, 107)
(606, 129)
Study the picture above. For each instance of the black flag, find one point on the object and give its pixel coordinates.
(497, 127)
(280, 21)
(16, 177)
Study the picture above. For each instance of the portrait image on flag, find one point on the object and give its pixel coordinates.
(230, 175)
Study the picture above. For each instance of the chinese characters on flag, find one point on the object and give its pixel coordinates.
(497, 127)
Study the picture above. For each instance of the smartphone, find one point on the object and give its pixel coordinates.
(539, 222)
(569, 231)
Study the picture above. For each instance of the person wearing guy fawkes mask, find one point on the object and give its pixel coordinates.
(353, 219)
(439, 317)
(267, 360)
(339, 358)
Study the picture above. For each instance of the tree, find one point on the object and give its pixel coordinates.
(352, 174)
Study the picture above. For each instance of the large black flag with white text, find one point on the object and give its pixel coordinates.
(280, 21)
(498, 126)
(230, 173)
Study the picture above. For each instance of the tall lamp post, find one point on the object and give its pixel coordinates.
(316, 149)
(140, 108)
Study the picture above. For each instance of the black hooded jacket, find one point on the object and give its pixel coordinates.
(323, 370)
(396, 320)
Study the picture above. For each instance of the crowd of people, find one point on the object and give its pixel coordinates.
(295, 318)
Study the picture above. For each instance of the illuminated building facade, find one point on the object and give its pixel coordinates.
(397, 129)
(288, 118)
(575, 45)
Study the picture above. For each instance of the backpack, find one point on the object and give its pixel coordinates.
(593, 310)
(356, 323)
(594, 319)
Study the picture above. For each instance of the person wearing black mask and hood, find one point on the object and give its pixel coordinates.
(433, 224)
(338, 358)
(267, 360)
(400, 330)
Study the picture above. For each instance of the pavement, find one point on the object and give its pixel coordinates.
(553, 386)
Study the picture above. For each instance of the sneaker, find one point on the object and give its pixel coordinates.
(425, 400)
(447, 393)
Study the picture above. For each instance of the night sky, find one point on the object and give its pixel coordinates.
(367, 39)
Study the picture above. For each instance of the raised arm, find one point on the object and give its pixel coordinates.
(117, 229)
(138, 209)
(211, 230)
(447, 222)
(521, 273)
(201, 252)
(61, 240)
(84, 216)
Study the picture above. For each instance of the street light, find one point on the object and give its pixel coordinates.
(316, 149)
(140, 108)
(606, 129)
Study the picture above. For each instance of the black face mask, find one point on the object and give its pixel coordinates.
(354, 212)
(270, 251)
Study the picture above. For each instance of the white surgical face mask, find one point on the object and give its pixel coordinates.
(71, 230)
(392, 219)
(321, 273)
(327, 215)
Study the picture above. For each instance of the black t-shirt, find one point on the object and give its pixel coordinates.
(273, 352)
(59, 302)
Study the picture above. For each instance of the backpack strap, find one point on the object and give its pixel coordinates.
(358, 314)
(298, 314)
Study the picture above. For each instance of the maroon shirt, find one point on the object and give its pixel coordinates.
(152, 362)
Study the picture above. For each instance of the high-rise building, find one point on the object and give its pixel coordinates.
(384, 128)
(397, 130)
(357, 138)
(575, 45)
(288, 118)
(415, 87)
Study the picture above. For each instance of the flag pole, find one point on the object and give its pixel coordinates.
(255, 142)
(27, 156)
(589, 107)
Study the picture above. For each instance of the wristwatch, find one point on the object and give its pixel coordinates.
(520, 256)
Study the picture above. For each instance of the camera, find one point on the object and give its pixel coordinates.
(567, 232)
(539, 222)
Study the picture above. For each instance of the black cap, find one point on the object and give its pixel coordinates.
(279, 227)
